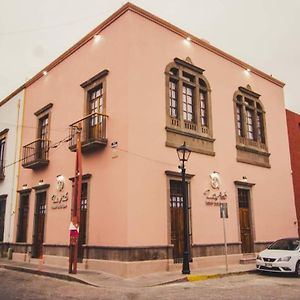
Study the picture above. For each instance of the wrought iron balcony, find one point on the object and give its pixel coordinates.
(35, 154)
(93, 133)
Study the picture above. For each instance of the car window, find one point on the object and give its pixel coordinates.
(287, 244)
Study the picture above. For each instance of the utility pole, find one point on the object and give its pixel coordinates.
(75, 211)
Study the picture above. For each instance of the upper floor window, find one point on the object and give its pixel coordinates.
(36, 153)
(188, 106)
(250, 127)
(94, 121)
(2, 152)
(42, 142)
(95, 89)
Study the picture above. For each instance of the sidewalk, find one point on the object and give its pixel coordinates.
(101, 279)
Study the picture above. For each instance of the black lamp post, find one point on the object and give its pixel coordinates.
(183, 153)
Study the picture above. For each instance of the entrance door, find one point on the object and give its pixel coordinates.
(177, 217)
(39, 224)
(245, 220)
(83, 218)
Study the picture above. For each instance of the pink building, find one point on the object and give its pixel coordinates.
(140, 89)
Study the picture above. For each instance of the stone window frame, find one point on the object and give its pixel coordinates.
(199, 138)
(92, 84)
(176, 176)
(3, 137)
(250, 150)
(42, 113)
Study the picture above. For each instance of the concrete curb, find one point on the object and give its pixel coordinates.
(192, 278)
(65, 277)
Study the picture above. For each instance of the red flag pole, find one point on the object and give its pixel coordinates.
(75, 213)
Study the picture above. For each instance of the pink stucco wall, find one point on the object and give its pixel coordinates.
(128, 203)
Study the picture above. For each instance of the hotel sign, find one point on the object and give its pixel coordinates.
(59, 200)
(214, 196)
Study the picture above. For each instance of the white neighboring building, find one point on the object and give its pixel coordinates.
(11, 114)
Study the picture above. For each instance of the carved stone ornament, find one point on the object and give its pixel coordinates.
(60, 183)
(215, 180)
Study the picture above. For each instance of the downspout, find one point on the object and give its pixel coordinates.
(16, 170)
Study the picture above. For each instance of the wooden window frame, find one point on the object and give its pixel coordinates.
(3, 137)
(41, 114)
(92, 84)
(251, 139)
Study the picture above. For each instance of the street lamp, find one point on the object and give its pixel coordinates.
(183, 153)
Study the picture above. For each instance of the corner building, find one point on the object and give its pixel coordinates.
(139, 90)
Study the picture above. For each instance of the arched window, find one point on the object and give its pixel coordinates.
(250, 127)
(188, 106)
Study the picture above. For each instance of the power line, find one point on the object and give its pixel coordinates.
(55, 145)
(61, 129)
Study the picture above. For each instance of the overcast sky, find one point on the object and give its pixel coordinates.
(263, 33)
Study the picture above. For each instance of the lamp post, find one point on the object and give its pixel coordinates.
(183, 153)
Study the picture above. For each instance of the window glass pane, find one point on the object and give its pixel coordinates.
(188, 77)
(203, 108)
(2, 148)
(260, 128)
(188, 103)
(239, 119)
(250, 127)
(174, 72)
(173, 98)
(202, 84)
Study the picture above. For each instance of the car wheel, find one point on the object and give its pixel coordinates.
(297, 269)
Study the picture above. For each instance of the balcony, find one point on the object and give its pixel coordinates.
(93, 133)
(35, 154)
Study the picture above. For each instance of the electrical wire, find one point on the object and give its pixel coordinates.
(54, 146)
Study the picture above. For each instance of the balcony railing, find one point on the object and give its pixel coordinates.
(35, 154)
(93, 133)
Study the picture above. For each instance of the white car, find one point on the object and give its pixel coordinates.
(282, 256)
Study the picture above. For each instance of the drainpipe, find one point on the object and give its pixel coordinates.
(16, 169)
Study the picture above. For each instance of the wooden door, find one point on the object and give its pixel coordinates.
(2, 216)
(23, 219)
(245, 220)
(39, 224)
(177, 220)
(83, 219)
